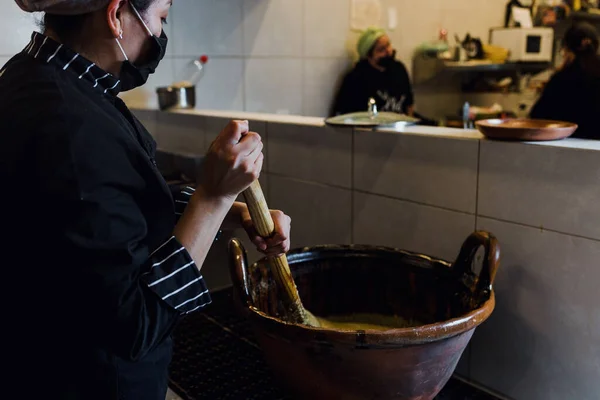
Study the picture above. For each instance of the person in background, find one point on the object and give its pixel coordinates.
(377, 75)
(101, 259)
(573, 92)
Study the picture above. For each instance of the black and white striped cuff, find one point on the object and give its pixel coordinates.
(183, 199)
(175, 278)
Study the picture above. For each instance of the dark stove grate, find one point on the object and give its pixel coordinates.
(216, 357)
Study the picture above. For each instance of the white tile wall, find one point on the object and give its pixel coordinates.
(180, 133)
(428, 170)
(221, 87)
(316, 154)
(543, 340)
(320, 214)
(273, 28)
(409, 226)
(326, 28)
(322, 78)
(418, 21)
(17, 27)
(536, 185)
(457, 16)
(207, 27)
(274, 85)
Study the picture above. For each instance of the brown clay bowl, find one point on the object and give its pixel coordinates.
(525, 129)
(450, 300)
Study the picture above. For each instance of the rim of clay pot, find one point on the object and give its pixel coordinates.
(372, 337)
(394, 336)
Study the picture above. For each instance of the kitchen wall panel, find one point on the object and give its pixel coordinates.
(292, 53)
(541, 180)
(543, 340)
(429, 170)
(17, 27)
(222, 87)
(381, 221)
(273, 28)
(320, 214)
(273, 85)
(310, 153)
(207, 27)
(322, 77)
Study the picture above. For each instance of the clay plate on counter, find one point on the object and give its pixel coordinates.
(525, 129)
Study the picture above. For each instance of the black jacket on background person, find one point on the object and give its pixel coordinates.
(96, 281)
(391, 89)
(572, 95)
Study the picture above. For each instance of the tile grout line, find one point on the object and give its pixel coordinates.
(354, 191)
(540, 228)
(477, 184)
(243, 58)
(477, 178)
(267, 173)
(352, 200)
(302, 61)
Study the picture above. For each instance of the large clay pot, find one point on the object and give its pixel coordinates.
(450, 300)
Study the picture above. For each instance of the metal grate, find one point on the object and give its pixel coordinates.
(216, 357)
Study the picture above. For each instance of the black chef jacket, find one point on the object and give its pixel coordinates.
(572, 95)
(94, 281)
(391, 89)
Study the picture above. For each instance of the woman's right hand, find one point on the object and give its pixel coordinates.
(234, 160)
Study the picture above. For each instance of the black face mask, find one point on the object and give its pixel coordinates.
(387, 61)
(133, 76)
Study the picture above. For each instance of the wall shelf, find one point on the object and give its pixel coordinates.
(427, 69)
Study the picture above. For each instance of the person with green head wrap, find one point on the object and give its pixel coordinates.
(377, 75)
(367, 40)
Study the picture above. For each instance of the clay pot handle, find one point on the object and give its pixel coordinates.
(468, 257)
(238, 268)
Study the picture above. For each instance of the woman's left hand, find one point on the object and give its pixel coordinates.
(277, 244)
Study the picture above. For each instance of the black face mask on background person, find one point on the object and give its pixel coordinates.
(387, 61)
(133, 76)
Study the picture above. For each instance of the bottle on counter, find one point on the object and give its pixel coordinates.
(466, 115)
(192, 73)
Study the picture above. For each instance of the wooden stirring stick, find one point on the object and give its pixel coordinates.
(263, 222)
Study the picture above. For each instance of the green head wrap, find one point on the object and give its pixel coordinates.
(367, 40)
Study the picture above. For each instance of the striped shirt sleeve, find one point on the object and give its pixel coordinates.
(174, 277)
(182, 199)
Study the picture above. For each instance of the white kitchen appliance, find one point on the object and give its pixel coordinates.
(525, 44)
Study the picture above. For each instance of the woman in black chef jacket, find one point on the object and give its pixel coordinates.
(573, 93)
(100, 259)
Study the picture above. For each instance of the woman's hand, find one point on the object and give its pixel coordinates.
(276, 245)
(234, 160)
